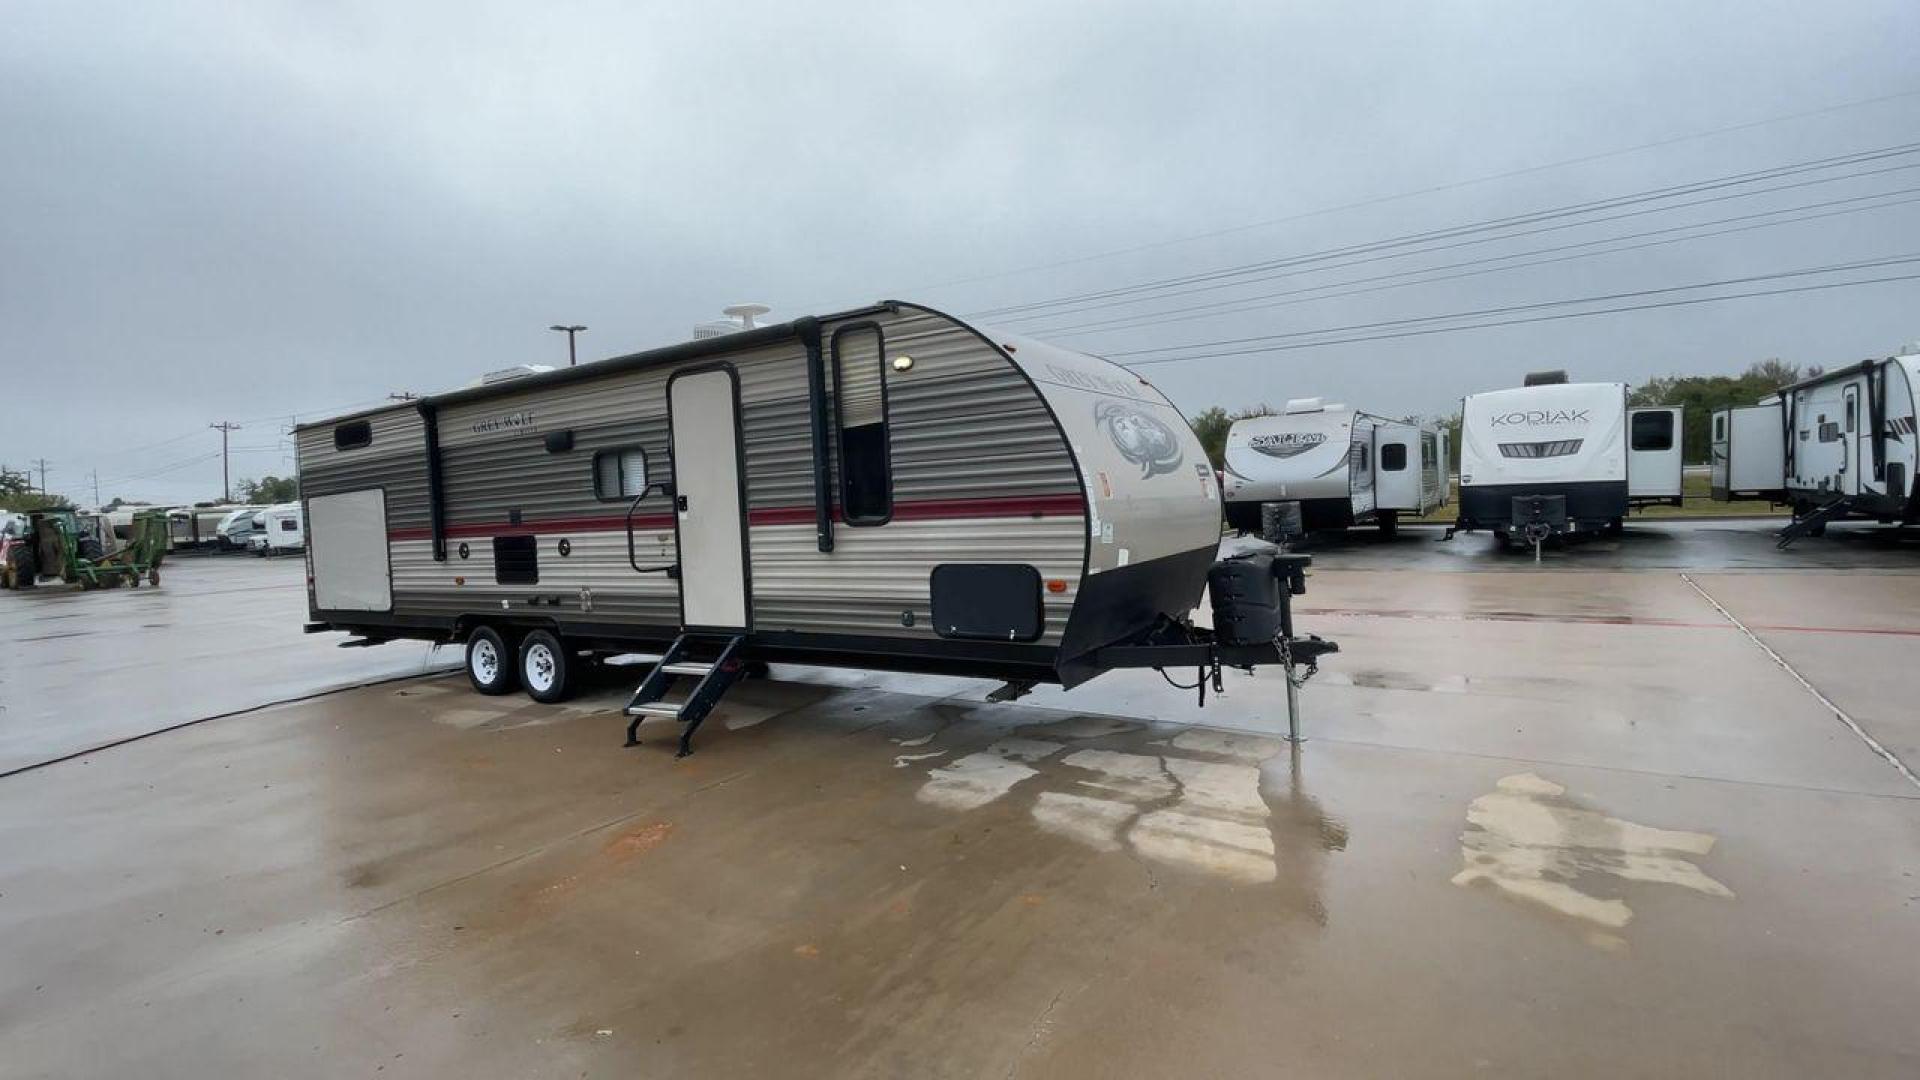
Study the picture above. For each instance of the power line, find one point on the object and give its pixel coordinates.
(1238, 305)
(1083, 300)
(1451, 186)
(1832, 268)
(1529, 319)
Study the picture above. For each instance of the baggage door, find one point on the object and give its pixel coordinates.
(710, 499)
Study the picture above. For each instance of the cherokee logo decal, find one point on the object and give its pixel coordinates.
(1286, 444)
(1140, 437)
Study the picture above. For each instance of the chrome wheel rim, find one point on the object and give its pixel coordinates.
(486, 661)
(541, 667)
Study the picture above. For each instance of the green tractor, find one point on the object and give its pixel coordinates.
(53, 544)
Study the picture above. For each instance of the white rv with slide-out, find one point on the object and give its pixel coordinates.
(888, 487)
(1838, 445)
(1341, 466)
(1554, 456)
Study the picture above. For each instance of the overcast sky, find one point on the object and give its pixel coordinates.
(246, 211)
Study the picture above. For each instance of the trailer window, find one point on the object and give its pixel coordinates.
(352, 436)
(860, 413)
(620, 474)
(1393, 457)
(1653, 431)
(1720, 428)
(1850, 414)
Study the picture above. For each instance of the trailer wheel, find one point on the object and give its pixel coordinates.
(1389, 524)
(490, 662)
(546, 667)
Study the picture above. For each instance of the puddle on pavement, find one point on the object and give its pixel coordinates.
(1530, 841)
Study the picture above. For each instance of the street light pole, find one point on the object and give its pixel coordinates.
(572, 357)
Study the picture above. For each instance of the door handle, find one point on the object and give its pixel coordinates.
(680, 503)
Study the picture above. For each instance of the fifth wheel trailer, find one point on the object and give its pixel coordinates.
(1554, 456)
(1843, 445)
(1342, 466)
(887, 487)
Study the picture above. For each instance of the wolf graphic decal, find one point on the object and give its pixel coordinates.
(1142, 438)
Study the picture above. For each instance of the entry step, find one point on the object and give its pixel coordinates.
(654, 708)
(687, 667)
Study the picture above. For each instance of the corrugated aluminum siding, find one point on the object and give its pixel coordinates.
(980, 474)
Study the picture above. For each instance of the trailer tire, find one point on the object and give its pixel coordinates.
(491, 664)
(1389, 524)
(1616, 526)
(547, 667)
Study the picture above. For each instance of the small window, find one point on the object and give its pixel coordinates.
(1653, 431)
(1850, 404)
(289, 525)
(1720, 428)
(1393, 457)
(860, 409)
(352, 436)
(619, 475)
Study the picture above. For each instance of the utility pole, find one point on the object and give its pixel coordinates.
(42, 463)
(404, 395)
(572, 357)
(226, 487)
(96, 488)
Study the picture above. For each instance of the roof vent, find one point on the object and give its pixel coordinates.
(1304, 405)
(1545, 378)
(518, 371)
(738, 317)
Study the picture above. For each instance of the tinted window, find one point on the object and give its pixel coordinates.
(289, 525)
(352, 436)
(1653, 431)
(1719, 428)
(860, 411)
(1393, 457)
(619, 475)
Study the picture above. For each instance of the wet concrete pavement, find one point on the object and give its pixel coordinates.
(82, 669)
(1546, 824)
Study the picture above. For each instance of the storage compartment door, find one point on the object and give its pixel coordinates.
(347, 541)
(1653, 453)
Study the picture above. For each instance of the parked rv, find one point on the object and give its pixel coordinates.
(278, 530)
(1554, 456)
(236, 528)
(1841, 444)
(1341, 466)
(884, 488)
(196, 527)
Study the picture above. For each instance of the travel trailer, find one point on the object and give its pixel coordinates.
(196, 527)
(1343, 467)
(1554, 456)
(882, 488)
(1838, 445)
(278, 530)
(236, 528)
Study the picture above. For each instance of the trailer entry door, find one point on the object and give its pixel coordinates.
(710, 499)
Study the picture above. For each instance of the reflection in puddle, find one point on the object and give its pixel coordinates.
(1526, 839)
(1193, 801)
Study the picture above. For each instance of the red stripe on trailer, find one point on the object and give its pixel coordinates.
(1035, 506)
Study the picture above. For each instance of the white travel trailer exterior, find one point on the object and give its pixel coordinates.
(1554, 456)
(884, 488)
(278, 530)
(1841, 444)
(1343, 467)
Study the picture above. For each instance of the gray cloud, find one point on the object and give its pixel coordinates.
(247, 211)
